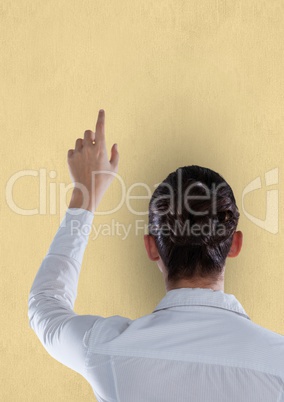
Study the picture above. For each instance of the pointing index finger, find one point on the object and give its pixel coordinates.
(100, 126)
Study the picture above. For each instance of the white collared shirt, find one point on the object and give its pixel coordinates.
(198, 345)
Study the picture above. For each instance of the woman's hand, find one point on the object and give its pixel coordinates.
(89, 167)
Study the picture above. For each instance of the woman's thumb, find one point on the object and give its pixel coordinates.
(114, 155)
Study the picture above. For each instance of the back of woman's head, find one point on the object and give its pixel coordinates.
(192, 217)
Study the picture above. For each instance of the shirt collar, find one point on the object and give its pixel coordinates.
(201, 297)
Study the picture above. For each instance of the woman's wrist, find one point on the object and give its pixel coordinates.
(78, 200)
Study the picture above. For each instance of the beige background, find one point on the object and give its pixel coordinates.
(181, 82)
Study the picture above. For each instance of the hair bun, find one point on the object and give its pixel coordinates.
(201, 231)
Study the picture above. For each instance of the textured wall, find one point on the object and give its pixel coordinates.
(181, 82)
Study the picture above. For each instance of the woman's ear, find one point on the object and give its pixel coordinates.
(151, 247)
(236, 244)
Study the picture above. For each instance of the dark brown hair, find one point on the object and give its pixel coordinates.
(192, 217)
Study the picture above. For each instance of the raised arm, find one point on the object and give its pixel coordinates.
(51, 300)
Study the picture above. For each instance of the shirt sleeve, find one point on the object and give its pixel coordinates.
(62, 332)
